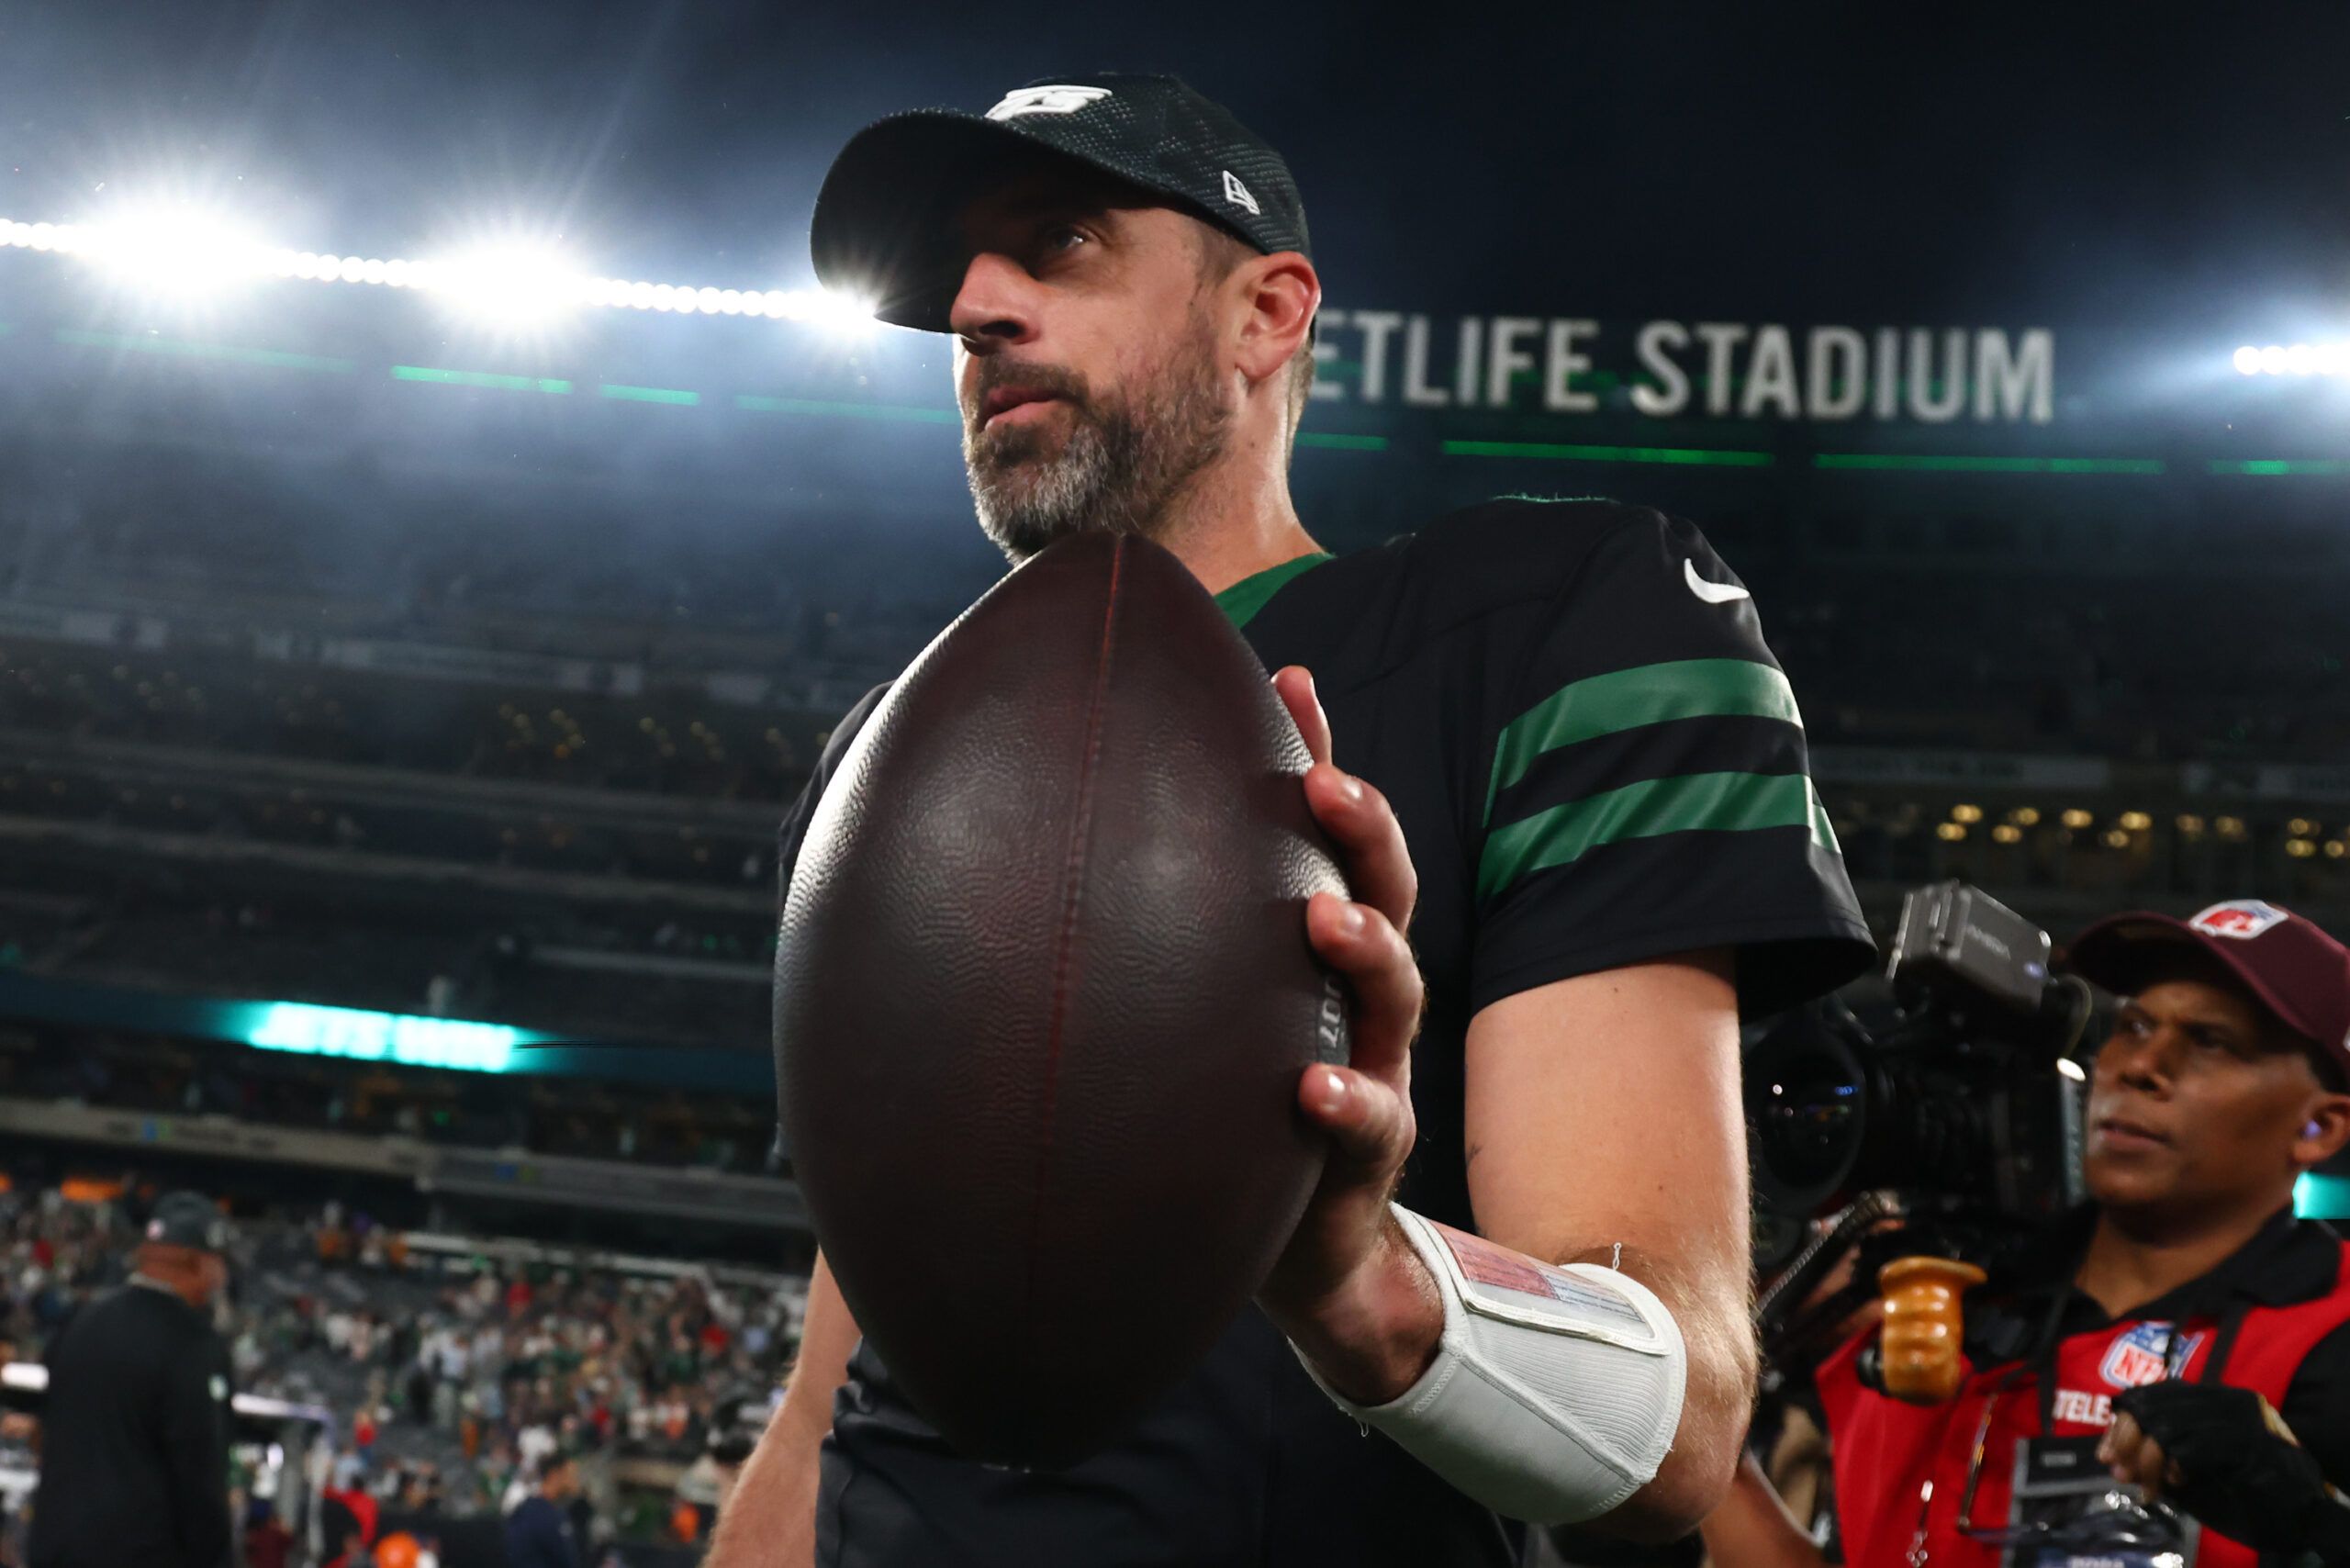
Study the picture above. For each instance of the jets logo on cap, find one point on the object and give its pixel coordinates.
(1054, 100)
(1238, 195)
(2239, 918)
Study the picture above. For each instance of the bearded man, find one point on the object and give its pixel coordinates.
(1549, 741)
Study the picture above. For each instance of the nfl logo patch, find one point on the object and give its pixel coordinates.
(2239, 918)
(2139, 1357)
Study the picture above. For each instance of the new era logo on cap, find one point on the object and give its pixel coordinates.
(2238, 918)
(1055, 99)
(1238, 194)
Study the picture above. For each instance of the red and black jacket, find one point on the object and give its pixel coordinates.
(2273, 1317)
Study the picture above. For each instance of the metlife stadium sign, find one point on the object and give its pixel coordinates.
(1687, 370)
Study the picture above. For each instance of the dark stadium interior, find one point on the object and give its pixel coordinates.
(356, 658)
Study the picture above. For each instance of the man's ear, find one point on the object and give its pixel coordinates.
(2326, 1129)
(1280, 293)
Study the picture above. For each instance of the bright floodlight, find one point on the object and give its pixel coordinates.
(2248, 361)
(174, 250)
(516, 286)
(821, 307)
(506, 285)
(2272, 358)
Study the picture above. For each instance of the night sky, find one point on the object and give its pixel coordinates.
(2140, 166)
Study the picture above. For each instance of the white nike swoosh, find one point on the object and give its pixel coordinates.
(1712, 593)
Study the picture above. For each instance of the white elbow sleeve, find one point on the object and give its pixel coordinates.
(1556, 1389)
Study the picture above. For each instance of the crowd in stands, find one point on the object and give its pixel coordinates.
(694, 562)
(466, 1382)
(2169, 667)
(453, 1377)
(230, 700)
(2158, 668)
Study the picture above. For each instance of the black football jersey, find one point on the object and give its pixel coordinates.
(1595, 761)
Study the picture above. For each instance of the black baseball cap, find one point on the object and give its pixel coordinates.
(883, 230)
(189, 1219)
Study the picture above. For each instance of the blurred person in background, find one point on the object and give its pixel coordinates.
(2182, 1334)
(346, 1526)
(268, 1543)
(135, 1422)
(540, 1532)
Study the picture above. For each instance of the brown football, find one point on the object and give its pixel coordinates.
(1043, 994)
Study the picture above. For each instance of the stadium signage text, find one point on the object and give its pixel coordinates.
(1687, 369)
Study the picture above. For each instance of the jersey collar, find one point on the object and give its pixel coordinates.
(2286, 1262)
(1241, 601)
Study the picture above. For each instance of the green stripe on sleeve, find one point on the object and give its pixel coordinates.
(1823, 832)
(1720, 802)
(1626, 699)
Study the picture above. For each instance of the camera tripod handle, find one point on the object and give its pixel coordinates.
(1924, 1325)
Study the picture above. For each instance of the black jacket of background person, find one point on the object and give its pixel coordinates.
(134, 1451)
(539, 1535)
(1595, 761)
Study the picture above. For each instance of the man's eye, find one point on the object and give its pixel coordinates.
(1064, 237)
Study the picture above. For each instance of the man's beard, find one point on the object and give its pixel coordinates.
(1118, 470)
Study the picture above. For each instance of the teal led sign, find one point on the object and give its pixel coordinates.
(402, 1038)
(2321, 1197)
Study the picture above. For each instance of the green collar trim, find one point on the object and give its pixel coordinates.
(1241, 601)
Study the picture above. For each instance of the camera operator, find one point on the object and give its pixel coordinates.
(2182, 1333)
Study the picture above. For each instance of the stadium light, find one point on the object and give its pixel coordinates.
(516, 285)
(502, 284)
(818, 307)
(2292, 359)
(170, 249)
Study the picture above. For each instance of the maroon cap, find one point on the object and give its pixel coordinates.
(2301, 973)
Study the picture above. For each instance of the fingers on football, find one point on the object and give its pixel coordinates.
(1369, 839)
(1294, 685)
(1369, 1122)
(1360, 943)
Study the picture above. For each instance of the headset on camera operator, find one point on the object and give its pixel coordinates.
(2166, 1378)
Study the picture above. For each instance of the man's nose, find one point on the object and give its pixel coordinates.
(2145, 1062)
(996, 306)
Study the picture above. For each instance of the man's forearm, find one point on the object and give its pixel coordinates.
(1429, 1341)
(1753, 1530)
(1716, 1327)
(769, 1519)
(1373, 1338)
